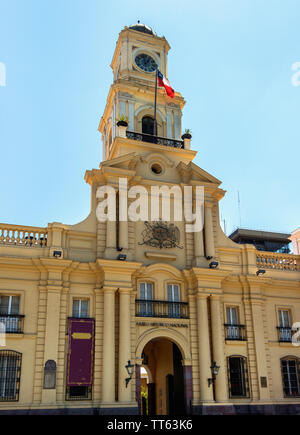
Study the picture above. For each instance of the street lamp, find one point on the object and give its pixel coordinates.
(214, 371)
(260, 272)
(213, 265)
(129, 369)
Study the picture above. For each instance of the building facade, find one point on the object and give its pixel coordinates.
(130, 317)
(295, 238)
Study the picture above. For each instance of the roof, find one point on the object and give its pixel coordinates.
(139, 27)
(258, 235)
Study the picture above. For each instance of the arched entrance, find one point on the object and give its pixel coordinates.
(162, 379)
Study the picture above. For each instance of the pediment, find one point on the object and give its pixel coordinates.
(191, 172)
(128, 161)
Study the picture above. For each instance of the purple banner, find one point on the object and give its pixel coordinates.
(80, 364)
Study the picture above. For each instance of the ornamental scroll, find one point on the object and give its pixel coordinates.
(80, 364)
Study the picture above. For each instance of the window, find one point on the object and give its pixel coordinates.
(148, 125)
(290, 376)
(10, 369)
(232, 323)
(9, 313)
(80, 308)
(79, 393)
(146, 299)
(238, 377)
(174, 300)
(284, 325)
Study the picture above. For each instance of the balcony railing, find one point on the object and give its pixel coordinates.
(284, 334)
(15, 235)
(273, 260)
(235, 332)
(166, 309)
(12, 323)
(143, 137)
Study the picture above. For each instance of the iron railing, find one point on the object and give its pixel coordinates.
(235, 332)
(166, 309)
(144, 137)
(13, 323)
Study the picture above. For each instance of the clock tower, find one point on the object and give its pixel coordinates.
(139, 52)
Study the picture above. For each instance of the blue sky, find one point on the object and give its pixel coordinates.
(230, 59)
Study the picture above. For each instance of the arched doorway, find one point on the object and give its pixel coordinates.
(163, 390)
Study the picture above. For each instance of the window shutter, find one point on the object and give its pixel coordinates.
(142, 291)
(176, 293)
(75, 311)
(4, 301)
(84, 311)
(170, 294)
(149, 294)
(15, 304)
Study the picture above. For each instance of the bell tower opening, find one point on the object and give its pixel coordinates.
(148, 125)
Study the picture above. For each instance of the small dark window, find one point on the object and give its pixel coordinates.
(148, 125)
(290, 377)
(79, 393)
(50, 375)
(238, 377)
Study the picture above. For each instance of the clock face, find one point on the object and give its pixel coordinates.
(145, 62)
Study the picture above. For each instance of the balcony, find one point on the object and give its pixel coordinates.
(277, 261)
(235, 332)
(15, 235)
(143, 137)
(284, 334)
(161, 309)
(13, 323)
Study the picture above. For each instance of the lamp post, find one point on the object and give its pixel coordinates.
(260, 272)
(129, 369)
(214, 371)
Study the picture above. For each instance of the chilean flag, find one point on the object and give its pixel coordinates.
(162, 81)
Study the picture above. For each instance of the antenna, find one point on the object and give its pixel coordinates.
(224, 224)
(239, 208)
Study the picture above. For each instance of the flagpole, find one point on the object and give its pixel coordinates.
(155, 100)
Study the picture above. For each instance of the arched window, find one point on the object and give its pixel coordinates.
(10, 370)
(290, 366)
(148, 125)
(238, 376)
(50, 375)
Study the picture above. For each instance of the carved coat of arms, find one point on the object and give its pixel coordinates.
(161, 235)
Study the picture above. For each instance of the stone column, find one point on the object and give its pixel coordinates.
(52, 335)
(138, 384)
(188, 386)
(111, 239)
(260, 346)
(124, 344)
(123, 214)
(206, 393)
(208, 228)
(220, 382)
(108, 378)
(199, 249)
